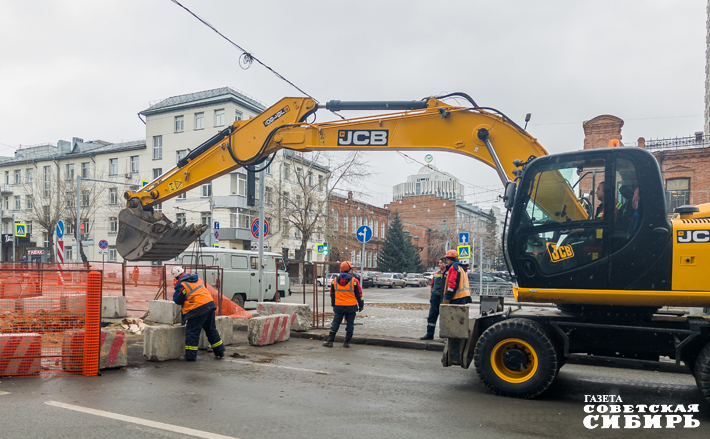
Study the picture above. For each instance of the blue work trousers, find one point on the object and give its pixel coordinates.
(434, 304)
(349, 313)
(194, 327)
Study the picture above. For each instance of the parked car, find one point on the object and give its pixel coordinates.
(389, 280)
(503, 275)
(429, 275)
(368, 279)
(415, 280)
(327, 280)
(489, 281)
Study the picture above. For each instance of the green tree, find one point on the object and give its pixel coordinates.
(491, 246)
(398, 254)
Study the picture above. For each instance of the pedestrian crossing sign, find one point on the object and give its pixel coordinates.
(464, 251)
(20, 229)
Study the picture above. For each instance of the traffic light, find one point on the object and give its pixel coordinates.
(325, 249)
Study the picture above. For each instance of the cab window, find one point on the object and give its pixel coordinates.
(254, 263)
(627, 203)
(207, 260)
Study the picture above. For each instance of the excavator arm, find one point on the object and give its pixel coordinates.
(481, 133)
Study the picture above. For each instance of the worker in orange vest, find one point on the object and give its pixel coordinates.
(346, 300)
(198, 311)
(456, 284)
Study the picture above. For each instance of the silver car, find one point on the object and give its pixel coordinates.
(389, 280)
(415, 280)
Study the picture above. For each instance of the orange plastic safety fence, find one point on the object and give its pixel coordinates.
(43, 321)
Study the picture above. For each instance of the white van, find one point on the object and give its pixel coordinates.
(241, 272)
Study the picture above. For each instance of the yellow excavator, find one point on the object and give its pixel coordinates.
(588, 232)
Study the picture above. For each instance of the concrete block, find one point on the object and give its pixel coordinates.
(162, 343)
(73, 303)
(453, 321)
(113, 307)
(33, 304)
(164, 311)
(300, 315)
(225, 327)
(20, 354)
(113, 352)
(7, 305)
(73, 351)
(267, 330)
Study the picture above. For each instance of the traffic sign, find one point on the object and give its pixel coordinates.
(216, 234)
(144, 183)
(60, 229)
(463, 238)
(216, 225)
(103, 244)
(319, 249)
(255, 228)
(216, 245)
(20, 229)
(464, 251)
(364, 234)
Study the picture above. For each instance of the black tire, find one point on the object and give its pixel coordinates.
(238, 299)
(701, 371)
(392, 285)
(534, 351)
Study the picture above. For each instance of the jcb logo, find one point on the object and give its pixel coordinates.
(560, 253)
(363, 137)
(685, 236)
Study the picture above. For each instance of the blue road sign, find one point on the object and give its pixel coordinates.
(216, 234)
(464, 251)
(319, 250)
(103, 244)
(364, 234)
(463, 238)
(20, 229)
(216, 225)
(60, 229)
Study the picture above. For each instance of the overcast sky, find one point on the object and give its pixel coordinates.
(84, 68)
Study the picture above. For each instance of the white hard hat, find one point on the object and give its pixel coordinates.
(178, 271)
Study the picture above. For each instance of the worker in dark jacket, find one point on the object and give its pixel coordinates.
(198, 311)
(437, 295)
(457, 290)
(346, 299)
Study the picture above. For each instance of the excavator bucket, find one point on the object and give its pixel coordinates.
(150, 236)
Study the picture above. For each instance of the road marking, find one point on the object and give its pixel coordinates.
(321, 372)
(4, 393)
(139, 421)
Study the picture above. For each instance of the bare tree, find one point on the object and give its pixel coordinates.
(93, 197)
(44, 200)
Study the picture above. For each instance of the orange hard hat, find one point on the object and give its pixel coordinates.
(452, 254)
(345, 266)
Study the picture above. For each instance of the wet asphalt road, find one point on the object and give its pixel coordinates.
(299, 389)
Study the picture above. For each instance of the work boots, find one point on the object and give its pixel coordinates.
(346, 342)
(329, 341)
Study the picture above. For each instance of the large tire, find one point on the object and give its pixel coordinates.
(238, 299)
(701, 371)
(516, 358)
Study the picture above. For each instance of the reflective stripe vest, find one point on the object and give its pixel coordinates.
(618, 206)
(345, 294)
(196, 295)
(462, 288)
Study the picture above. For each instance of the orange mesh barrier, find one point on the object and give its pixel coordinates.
(92, 331)
(229, 308)
(43, 318)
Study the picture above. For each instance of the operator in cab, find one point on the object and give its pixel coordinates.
(346, 300)
(197, 311)
(456, 284)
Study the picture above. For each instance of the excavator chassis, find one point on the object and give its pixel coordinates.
(146, 235)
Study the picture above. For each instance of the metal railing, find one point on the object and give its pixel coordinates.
(491, 290)
(697, 141)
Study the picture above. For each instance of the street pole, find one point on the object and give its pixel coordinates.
(14, 238)
(78, 217)
(480, 271)
(261, 237)
(362, 255)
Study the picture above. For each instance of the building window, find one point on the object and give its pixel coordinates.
(84, 198)
(355, 222)
(268, 170)
(68, 253)
(218, 118)
(298, 201)
(286, 200)
(374, 229)
(179, 124)
(310, 179)
(113, 224)
(240, 218)
(238, 184)
(157, 172)
(207, 190)
(29, 227)
(284, 253)
(112, 166)
(237, 115)
(309, 252)
(135, 168)
(112, 254)
(157, 147)
(7, 177)
(28, 201)
(320, 182)
(287, 172)
(180, 218)
(382, 230)
(206, 218)
(370, 224)
(85, 169)
(71, 198)
(29, 175)
(18, 202)
(287, 227)
(199, 120)
(334, 216)
(345, 222)
(47, 180)
(677, 193)
(268, 194)
(369, 259)
(113, 195)
(181, 154)
(182, 196)
(297, 254)
(85, 228)
(70, 171)
(18, 176)
(374, 260)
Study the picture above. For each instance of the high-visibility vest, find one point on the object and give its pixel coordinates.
(462, 289)
(196, 295)
(618, 206)
(345, 294)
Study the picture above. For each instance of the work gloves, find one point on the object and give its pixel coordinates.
(361, 306)
(445, 302)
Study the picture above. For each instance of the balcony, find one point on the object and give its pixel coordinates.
(699, 140)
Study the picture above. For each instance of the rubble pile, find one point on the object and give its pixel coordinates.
(40, 322)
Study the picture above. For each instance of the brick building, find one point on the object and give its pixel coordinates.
(347, 215)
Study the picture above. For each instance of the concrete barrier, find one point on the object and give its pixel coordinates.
(113, 307)
(267, 330)
(7, 305)
(20, 354)
(164, 311)
(73, 351)
(73, 303)
(300, 315)
(33, 304)
(113, 352)
(453, 321)
(162, 343)
(225, 327)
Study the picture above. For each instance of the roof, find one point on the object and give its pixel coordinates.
(51, 152)
(291, 154)
(204, 98)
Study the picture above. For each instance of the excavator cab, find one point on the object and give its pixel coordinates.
(619, 239)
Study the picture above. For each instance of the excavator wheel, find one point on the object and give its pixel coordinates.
(516, 358)
(702, 371)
